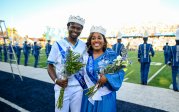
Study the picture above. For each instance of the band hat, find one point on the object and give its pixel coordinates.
(145, 35)
(76, 19)
(98, 29)
(119, 35)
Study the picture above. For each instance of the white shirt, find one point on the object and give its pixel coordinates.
(56, 58)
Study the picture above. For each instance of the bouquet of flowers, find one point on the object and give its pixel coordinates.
(72, 65)
(118, 64)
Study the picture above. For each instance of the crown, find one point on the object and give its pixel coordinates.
(177, 34)
(76, 19)
(98, 29)
(145, 35)
(119, 35)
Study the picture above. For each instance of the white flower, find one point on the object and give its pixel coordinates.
(118, 62)
(119, 58)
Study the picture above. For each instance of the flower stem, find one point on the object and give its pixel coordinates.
(60, 98)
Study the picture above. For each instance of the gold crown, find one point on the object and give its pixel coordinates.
(76, 19)
(98, 29)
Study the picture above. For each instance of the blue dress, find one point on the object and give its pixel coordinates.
(114, 82)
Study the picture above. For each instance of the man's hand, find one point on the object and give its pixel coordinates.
(169, 63)
(139, 60)
(62, 83)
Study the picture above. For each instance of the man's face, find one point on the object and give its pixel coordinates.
(74, 30)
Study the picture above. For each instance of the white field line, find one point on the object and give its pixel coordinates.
(125, 79)
(13, 105)
(129, 73)
(156, 73)
(171, 86)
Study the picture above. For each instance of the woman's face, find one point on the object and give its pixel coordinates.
(97, 41)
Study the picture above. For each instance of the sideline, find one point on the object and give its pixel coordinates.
(13, 105)
(125, 79)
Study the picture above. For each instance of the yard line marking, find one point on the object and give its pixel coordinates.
(156, 73)
(44, 67)
(171, 86)
(125, 79)
(13, 105)
(43, 62)
(129, 73)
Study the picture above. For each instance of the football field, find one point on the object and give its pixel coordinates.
(159, 75)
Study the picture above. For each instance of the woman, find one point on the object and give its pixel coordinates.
(104, 100)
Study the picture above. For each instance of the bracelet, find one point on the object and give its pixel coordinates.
(55, 81)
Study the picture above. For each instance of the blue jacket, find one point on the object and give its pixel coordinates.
(48, 48)
(1, 48)
(5, 49)
(17, 50)
(173, 55)
(26, 48)
(166, 49)
(36, 50)
(10, 48)
(144, 52)
(118, 48)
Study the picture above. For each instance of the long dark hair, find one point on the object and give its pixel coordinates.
(88, 43)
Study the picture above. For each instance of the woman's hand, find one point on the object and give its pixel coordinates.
(62, 83)
(102, 80)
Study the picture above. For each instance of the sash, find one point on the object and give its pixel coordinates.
(90, 80)
(78, 76)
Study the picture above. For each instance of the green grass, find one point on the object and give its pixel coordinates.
(163, 79)
(42, 59)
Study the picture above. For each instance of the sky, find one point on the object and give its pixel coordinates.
(31, 17)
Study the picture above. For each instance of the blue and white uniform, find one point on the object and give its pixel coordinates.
(118, 47)
(47, 49)
(174, 60)
(104, 100)
(36, 52)
(73, 92)
(17, 50)
(10, 51)
(144, 53)
(166, 50)
(26, 50)
(5, 48)
(1, 52)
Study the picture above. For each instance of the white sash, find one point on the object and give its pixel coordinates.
(100, 92)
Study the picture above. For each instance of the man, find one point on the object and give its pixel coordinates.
(166, 49)
(73, 90)
(144, 52)
(48, 48)
(1, 52)
(26, 50)
(10, 51)
(118, 47)
(5, 47)
(17, 50)
(174, 62)
(36, 52)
